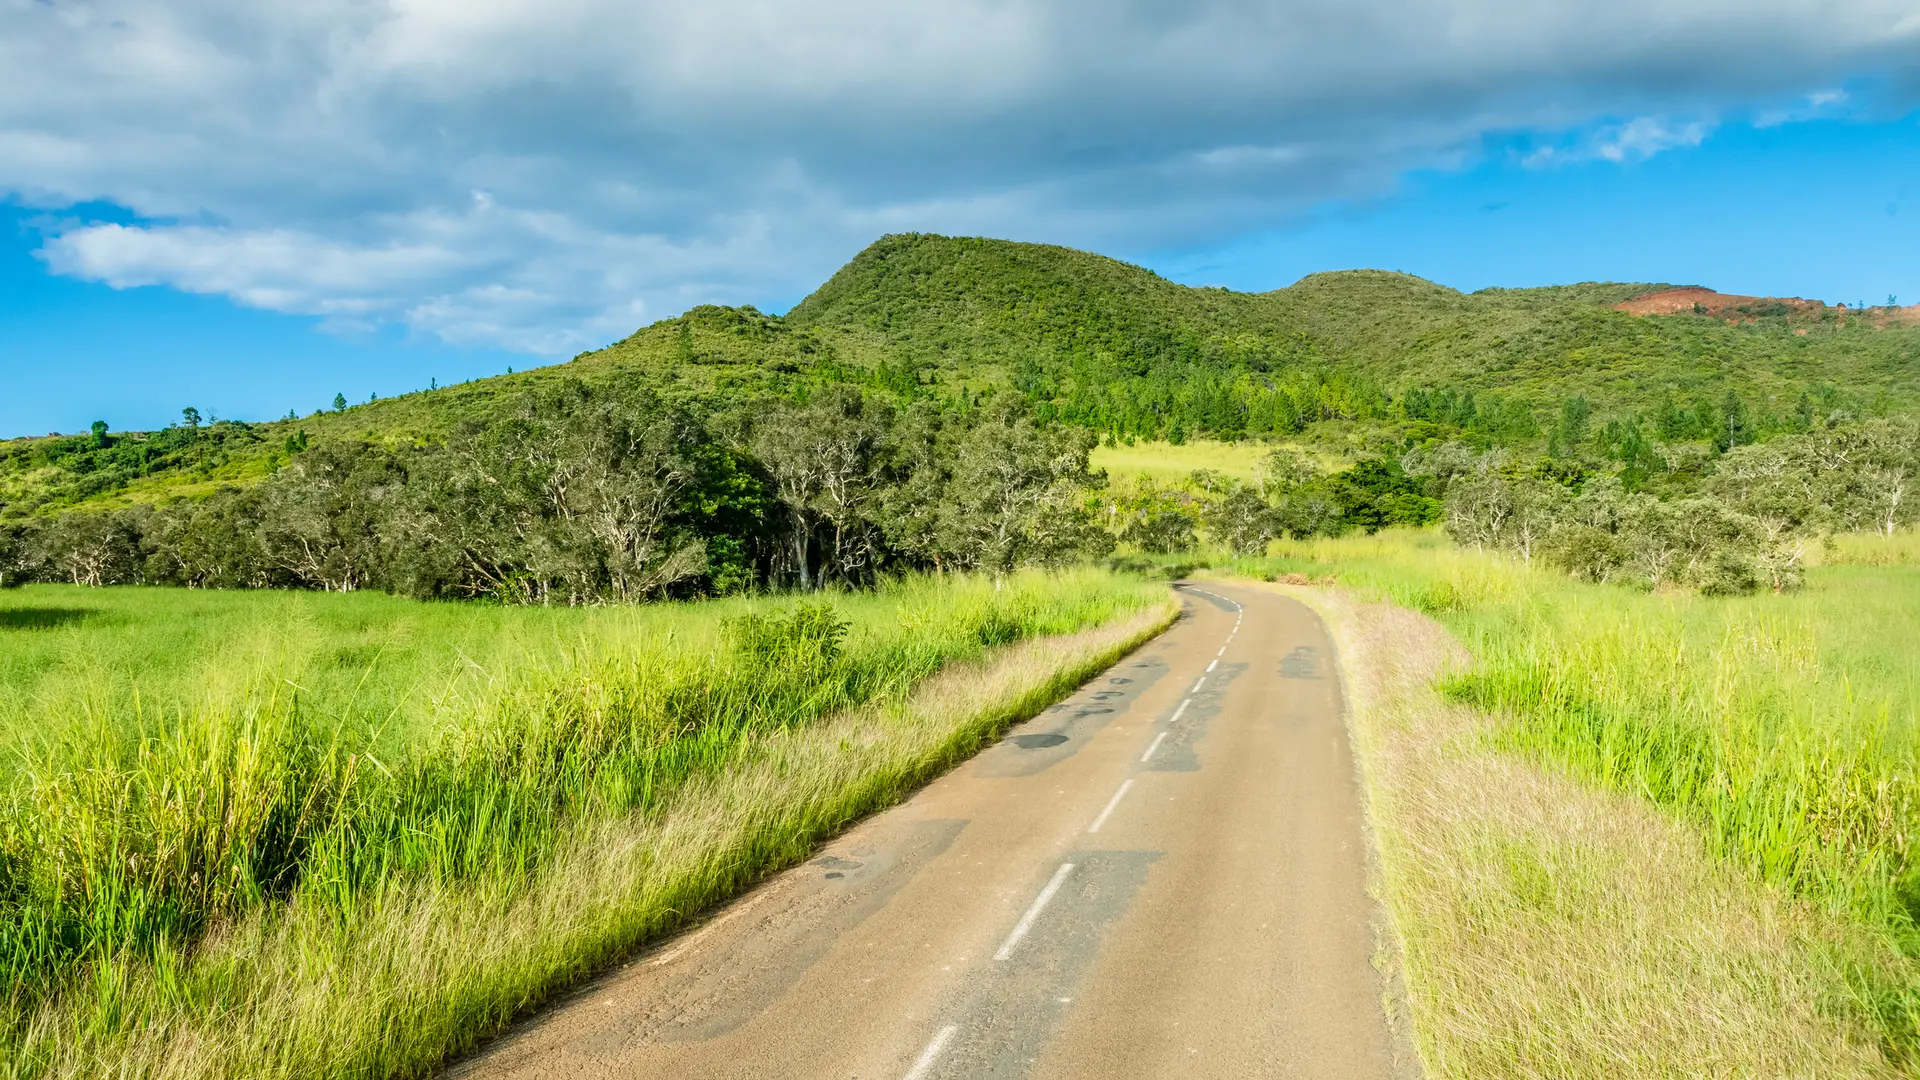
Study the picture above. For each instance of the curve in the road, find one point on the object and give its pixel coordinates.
(1164, 875)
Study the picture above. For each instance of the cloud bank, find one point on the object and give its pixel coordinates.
(547, 176)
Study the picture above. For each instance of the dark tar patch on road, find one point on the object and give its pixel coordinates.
(1302, 663)
(1059, 732)
(1179, 751)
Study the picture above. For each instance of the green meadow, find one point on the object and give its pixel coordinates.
(278, 834)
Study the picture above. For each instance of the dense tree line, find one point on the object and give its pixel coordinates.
(1749, 524)
(580, 495)
(1290, 495)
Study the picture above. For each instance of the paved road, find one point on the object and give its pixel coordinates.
(1160, 877)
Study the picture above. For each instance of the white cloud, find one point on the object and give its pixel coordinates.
(546, 176)
(1635, 140)
(1812, 107)
(1638, 140)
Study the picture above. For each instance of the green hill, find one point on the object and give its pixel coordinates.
(1097, 342)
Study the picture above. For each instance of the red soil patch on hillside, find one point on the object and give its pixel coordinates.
(1694, 300)
(1707, 302)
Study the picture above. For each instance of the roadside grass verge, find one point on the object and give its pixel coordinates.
(1553, 930)
(1778, 730)
(243, 886)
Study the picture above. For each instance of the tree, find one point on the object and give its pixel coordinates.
(1803, 413)
(568, 498)
(1588, 552)
(1649, 540)
(1283, 470)
(1306, 511)
(1479, 511)
(18, 545)
(1375, 493)
(1735, 429)
(1570, 433)
(1778, 490)
(1494, 511)
(1242, 521)
(339, 403)
(1158, 520)
(1537, 506)
(1886, 463)
(1207, 480)
(192, 416)
(1017, 494)
(94, 547)
(827, 460)
(100, 433)
(1716, 545)
(321, 517)
(210, 543)
(1447, 462)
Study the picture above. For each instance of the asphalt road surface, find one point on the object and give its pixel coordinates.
(1162, 876)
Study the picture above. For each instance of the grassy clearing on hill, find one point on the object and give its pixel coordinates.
(1871, 549)
(1165, 463)
(1777, 730)
(399, 824)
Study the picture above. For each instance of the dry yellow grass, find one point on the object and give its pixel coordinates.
(1166, 463)
(1869, 549)
(1550, 930)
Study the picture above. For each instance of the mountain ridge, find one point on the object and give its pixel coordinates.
(1095, 341)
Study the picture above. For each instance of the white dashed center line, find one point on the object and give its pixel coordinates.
(923, 1064)
(1039, 904)
(1111, 803)
(1157, 739)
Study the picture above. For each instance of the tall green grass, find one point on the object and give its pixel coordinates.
(166, 804)
(1782, 727)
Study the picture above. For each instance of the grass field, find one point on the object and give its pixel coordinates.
(1777, 731)
(274, 834)
(1165, 463)
(1874, 549)
(1623, 834)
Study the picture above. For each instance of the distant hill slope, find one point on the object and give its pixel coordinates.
(1094, 341)
(949, 302)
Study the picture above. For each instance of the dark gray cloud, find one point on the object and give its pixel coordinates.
(547, 175)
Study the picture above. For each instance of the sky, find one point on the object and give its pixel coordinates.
(248, 208)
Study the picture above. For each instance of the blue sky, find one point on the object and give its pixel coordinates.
(77, 351)
(1828, 210)
(248, 208)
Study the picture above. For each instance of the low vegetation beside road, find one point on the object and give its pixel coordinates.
(272, 834)
(1756, 755)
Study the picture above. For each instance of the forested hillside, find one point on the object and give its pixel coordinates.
(1101, 344)
(933, 405)
(1118, 348)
